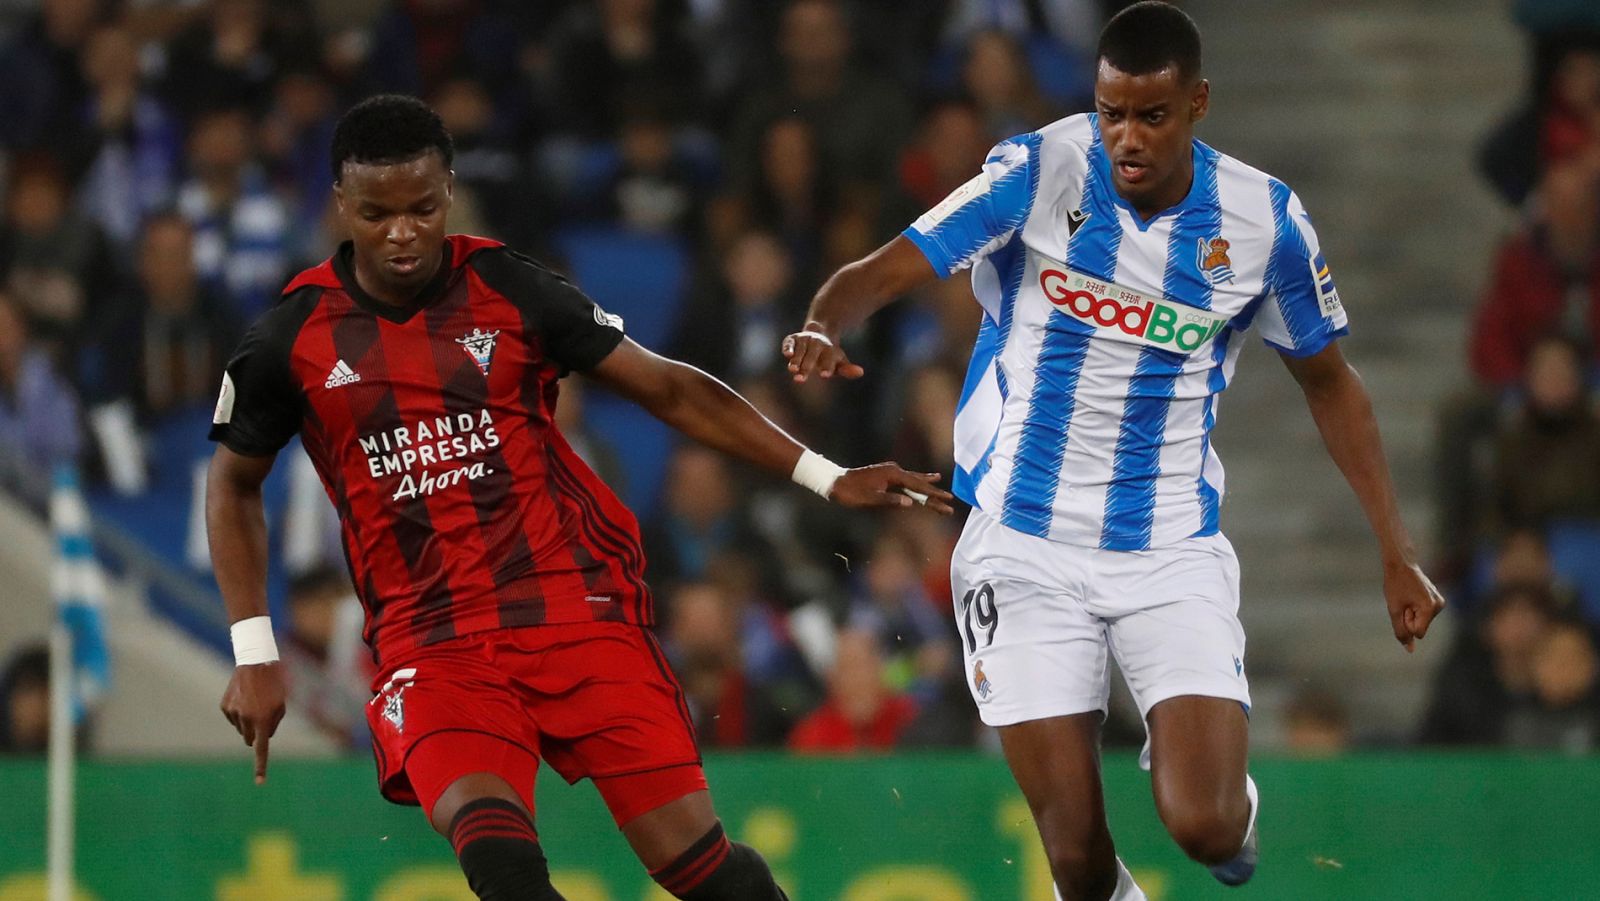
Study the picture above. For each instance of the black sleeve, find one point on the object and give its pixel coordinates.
(575, 331)
(260, 407)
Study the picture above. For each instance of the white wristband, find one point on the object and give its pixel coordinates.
(253, 642)
(808, 333)
(817, 472)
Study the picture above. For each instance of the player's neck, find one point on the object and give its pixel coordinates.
(1167, 196)
(393, 295)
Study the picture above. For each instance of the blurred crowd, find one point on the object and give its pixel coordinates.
(165, 170)
(1519, 454)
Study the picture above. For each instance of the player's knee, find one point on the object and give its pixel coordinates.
(715, 869)
(464, 791)
(499, 851)
(1210, 833)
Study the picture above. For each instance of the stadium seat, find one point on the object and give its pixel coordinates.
(1575, 556)
(642, 443)
(644, 279)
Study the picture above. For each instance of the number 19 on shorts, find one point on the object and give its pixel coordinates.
(979, 615)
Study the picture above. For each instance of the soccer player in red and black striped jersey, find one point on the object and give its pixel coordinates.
(502, 580)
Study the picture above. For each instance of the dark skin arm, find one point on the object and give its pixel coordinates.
(847, 299)
(1343, 412)
(236, 527)
(711, 413)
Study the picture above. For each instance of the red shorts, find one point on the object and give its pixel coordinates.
(593, 700)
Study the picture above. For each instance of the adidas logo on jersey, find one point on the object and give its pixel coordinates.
(342, 374)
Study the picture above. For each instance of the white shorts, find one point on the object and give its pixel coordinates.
(1037, 617)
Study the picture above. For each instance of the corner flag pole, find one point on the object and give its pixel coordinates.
(80, 666)
(62, 755)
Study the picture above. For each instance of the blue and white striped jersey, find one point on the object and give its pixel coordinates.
(1087, 410)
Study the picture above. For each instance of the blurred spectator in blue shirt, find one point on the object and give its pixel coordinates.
(890, 604)
(38, 409)
(136, 143)
(241, 227)
(296, 141)
(700, 519)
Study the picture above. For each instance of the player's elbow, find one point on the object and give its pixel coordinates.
(874, 279)
(1329, 382)
(671, 391)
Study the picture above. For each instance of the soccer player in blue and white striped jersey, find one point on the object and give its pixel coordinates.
(1119, 262)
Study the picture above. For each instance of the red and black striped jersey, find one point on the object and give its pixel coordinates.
(462, 507)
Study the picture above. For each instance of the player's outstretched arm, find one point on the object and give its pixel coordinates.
(845, 301)
(236, 526)
(715, 415)
(1343, 412)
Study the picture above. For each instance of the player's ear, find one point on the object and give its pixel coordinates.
(1200, 104)
(338, 197)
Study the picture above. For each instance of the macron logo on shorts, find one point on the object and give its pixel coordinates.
(342, 374)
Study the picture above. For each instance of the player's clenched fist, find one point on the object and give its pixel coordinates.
(1412, 600)
(254, 704)
(887, 485)
(812, 350)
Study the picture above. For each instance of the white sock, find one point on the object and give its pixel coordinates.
(1255, 805)
(1255, 802)
(1126, 890)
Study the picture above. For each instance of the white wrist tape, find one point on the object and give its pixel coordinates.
(253, 642)
(817, 472)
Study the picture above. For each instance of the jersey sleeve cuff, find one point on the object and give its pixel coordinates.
(1314, 346)
(931, 249)
(224, 435)
(593, 351)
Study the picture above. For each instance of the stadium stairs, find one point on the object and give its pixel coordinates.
(1371, 110)
(164, 685)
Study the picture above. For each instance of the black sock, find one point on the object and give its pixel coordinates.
(499, 851)
(715, 869)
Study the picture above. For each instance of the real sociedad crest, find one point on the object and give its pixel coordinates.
(480, 345)
(1212, 258)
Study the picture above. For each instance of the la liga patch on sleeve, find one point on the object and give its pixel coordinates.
(1327, 294)
(223, 414)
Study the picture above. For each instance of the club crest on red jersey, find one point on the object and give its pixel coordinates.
(392, 696)
(480, 345)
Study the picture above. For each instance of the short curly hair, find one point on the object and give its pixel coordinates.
(389, 128)
(1150, 36)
